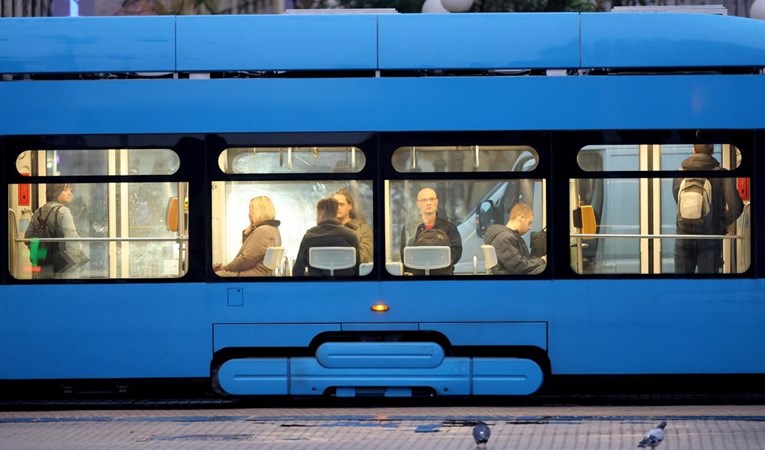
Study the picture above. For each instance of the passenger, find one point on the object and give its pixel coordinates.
(261, 233)
(348, 217)
(328, 232)
(427, 202)
(513, 256)
(726, 205)
(66, 258)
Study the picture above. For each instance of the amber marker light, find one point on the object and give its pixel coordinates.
(379, 307)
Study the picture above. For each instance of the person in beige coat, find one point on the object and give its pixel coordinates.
(348, 217)
(263, 232)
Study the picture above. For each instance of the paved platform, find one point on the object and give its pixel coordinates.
(442, 428)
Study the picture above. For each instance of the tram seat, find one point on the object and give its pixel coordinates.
(273, 260)
(394, 267)
(365, 268)
(332, 258)
(427, 258)
(489, 257)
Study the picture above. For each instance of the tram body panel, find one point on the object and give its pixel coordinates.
(105, 331)
(293, 105)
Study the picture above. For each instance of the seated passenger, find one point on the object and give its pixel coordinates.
(427, 202)
(347, 216)
(513, 256)
(327, 233)
(263, 232)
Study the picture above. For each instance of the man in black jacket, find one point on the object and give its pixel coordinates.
(726, 206)
(328, 232)
(513, 256)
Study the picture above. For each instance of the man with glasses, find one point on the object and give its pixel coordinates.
(427, 202)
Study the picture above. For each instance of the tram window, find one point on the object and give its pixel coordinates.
(295, 205)
(470, 205)
(292, 160)
(599, 158)
(121, 229)
(71, 162)
(636, 228)
(465, 158)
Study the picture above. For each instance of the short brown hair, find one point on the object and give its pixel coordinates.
(327, 207)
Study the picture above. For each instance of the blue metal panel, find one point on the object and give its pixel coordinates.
(321, 105)
(671, 40)
(104, 331)
(657, 327)
(308, 377)
(283, 42)
(490, 333)
(506, 376)
(267, 335)
(92, 44)
(255, 376)
(380, 326)
(386, 355)
(479, 41)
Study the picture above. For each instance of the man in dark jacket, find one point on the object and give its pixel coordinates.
(513, 256)
(427, 202)
(328, 232)
(726, 206)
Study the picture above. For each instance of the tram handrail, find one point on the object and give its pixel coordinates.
(657, 236)
(107, 239)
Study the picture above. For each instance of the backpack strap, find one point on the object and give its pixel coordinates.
(55, 218)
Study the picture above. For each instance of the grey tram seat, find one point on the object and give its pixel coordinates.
(273, 259)
(489, 257)
(365, 268)
(427, 258)
(332, 258)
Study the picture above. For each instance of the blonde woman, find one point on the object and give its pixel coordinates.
(348, 217)
(263, 232)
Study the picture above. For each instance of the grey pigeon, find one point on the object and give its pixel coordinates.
(481, 433)
(654, 437)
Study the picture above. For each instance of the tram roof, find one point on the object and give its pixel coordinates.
(378, 42)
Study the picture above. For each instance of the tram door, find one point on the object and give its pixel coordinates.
(122, 227)
(635, 218)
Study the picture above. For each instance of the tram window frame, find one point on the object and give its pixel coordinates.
(363, 143)
(652, 180)
(121, 184)
(536, 143)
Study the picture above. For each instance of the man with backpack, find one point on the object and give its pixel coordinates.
(433, 231)
(705, 206)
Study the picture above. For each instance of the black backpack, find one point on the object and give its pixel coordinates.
(432, 237)
(43, 253)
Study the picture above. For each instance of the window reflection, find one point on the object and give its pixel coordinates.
(465, 158)
(471, 206)
(292, 160)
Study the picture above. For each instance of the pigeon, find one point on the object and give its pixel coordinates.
(481, 433)
(654, 437)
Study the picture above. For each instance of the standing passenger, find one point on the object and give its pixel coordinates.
(726, 206)
(261, 233)
(513, 256)
(347, 216)
(427, 202)
(66, 258)
(327, 233)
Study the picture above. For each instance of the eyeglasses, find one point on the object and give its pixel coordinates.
(427, 200)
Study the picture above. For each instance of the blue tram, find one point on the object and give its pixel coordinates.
(163, 128)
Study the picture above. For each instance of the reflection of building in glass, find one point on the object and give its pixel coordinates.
(41, 8)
